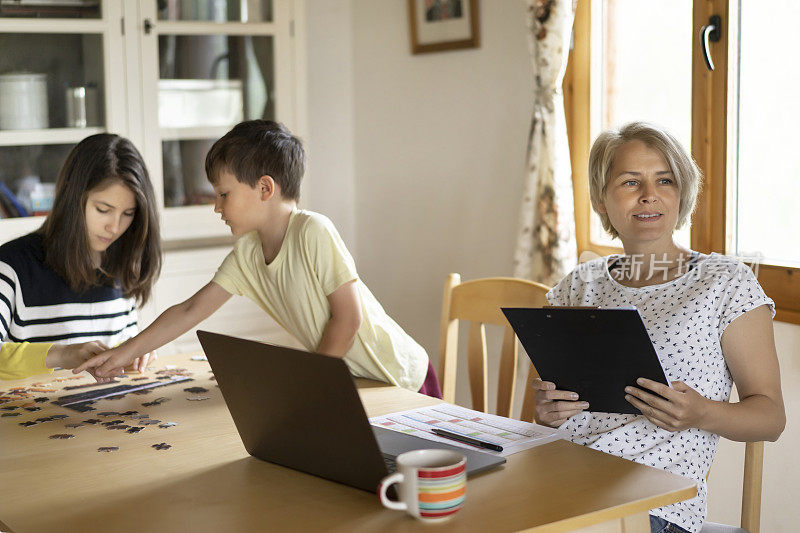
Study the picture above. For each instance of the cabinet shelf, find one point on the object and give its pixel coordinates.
(215, 28)
(194, 133)
(19, 226)
(48, 25)
(46, 136)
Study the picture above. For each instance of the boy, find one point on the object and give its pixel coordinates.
(289, 261)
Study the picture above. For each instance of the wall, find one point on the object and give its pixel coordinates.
(440, 143)
(330, 177)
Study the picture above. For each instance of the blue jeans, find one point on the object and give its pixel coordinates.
(659, 525)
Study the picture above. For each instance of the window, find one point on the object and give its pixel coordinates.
(766, 110)
(642, 71)
(739, 122)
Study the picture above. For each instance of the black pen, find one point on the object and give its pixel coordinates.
(468, 440)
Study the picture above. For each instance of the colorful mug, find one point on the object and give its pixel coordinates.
(431, 484)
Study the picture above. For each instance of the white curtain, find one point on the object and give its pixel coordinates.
(546, 248)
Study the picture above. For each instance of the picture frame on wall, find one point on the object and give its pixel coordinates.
(439, 25)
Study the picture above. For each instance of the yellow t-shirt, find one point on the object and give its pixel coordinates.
(312, 263)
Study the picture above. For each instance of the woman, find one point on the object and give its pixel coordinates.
(708, 318)
(69, 290)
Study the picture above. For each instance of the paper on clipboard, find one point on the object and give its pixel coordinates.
(513, 435)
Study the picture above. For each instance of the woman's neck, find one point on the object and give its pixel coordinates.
(652, 263)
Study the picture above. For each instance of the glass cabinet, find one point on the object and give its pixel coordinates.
(171, 75)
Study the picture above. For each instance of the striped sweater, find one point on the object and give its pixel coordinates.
(38, 308)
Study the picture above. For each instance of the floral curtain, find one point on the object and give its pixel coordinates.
(546, 248)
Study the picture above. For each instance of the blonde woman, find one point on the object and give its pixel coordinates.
(707, 316)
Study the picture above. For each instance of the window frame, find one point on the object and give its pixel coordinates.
(710, 226)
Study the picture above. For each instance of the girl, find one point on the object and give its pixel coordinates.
(708, 318)
(69, 290)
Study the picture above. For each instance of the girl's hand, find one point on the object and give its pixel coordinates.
(72, 355)
(553, 407)
(680, 408)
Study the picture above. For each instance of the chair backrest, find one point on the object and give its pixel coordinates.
(479, 302)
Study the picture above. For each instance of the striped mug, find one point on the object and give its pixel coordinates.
(431, 484)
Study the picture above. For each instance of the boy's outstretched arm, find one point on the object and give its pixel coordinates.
(172, 323)
(340, 332)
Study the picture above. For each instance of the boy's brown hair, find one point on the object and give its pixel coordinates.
(256, 148)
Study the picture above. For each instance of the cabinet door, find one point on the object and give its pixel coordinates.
(61, 81)
(205, 67)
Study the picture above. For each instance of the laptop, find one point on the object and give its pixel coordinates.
(302, 410)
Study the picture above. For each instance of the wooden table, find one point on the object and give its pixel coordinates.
(208, 482)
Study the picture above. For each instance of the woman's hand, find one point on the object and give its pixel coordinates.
(553, 407)
(680, 408)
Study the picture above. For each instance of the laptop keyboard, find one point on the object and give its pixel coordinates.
(391, 464)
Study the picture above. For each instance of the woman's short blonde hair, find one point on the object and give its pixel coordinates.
(683, 167)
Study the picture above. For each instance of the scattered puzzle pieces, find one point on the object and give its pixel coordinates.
(157, 401)
(108, 449)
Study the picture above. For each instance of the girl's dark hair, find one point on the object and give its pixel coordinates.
(133, 261)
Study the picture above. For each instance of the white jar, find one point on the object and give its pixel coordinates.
(23, 101)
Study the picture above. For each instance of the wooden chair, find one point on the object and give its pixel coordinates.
(479, 302)
(751, 494)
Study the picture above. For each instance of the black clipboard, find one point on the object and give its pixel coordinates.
(594, 352)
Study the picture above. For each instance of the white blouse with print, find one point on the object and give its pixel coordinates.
(685, 319)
